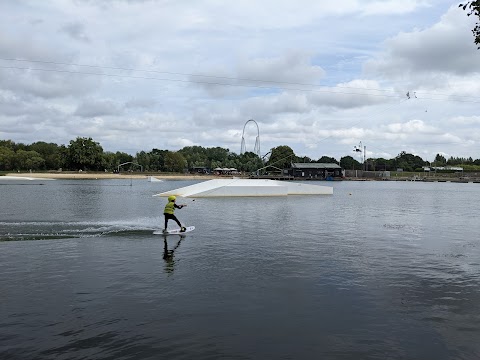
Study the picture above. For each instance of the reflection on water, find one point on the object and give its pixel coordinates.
(379, 270)
(168, 253)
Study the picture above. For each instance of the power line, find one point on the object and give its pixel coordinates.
(385, 91)
(191, 74)
(192, 81)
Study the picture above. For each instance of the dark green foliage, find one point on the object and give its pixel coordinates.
(53, 154)
(302, 159)
(439, 160)
(328, 160)
(28, 160)
(7, 158)
(349, 163)
(473, 8)
(85, 154)
(175, 162)
(281, 157)
(408, 162)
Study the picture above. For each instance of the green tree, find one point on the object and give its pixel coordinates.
(195, 156)
(157, 159)
(217, 154)
(383, 164)
(143, 159)
(408, 162)
(52, 153)
(7, 158)
(28, 160)
(9, 144)
(349, 163)
(440, 160)
(85, 154)
(123, 157)
(281, 157)
(303, 159)
(248, 162)
(110, 161)
(473, 8)
(328, 160)
(175, 162)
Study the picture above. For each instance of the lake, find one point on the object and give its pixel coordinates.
(379, 270)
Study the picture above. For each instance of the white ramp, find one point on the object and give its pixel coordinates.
(247, 187)
(154, 179)
(22, 178)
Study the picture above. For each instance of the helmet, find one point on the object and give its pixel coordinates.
(171, 198)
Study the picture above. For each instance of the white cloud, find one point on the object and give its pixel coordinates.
(93, 108)
(317, 76)
(445, 49)
(76, 31)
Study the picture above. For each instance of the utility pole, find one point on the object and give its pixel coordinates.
(360, 148)
(365, 157)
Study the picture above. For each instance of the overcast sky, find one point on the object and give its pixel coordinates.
(318, 76)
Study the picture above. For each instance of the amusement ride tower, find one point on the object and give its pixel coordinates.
(256, 149)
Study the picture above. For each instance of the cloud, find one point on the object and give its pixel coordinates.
(446, 48)
(466, 121)
(93, 108)
(410, 127)
(291, 70)
(179, 143)
(140, 103)
(391, 7)
(76, 31)
(317, 76)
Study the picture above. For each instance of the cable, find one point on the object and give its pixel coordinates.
(192, 81)
(190, 74)
(225, 78)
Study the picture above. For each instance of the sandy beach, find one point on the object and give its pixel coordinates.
(103, 175)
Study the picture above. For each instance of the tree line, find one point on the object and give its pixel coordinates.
(88, 155)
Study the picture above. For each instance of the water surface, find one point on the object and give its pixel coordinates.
(379, 270)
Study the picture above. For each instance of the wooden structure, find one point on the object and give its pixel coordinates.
(316, 171)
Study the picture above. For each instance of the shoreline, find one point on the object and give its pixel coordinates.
(135, 176)
(96, 176)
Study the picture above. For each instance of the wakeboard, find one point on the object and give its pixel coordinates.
(174, 231)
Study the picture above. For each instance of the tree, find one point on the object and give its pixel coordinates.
(328, 160)
(85, 154)
(440, 160)
(248, 162)
(7, 158)
(175, 162)
(473, 8)
(382, 164)
(157, 159)
(195, 156)
(9, 144)
(408, 162)
(52, 153)
(217, 154)
(349, 163)
(143, 159)
(303, 159)
(281, 157)
(123, 157)
(28, 160)
(110, 160)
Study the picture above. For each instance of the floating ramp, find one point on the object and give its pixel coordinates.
(154, 179)
(248, 187)
(22, 178)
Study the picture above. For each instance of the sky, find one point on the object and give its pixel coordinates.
(323, 77)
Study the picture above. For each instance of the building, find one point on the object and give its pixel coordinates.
(316, 171)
